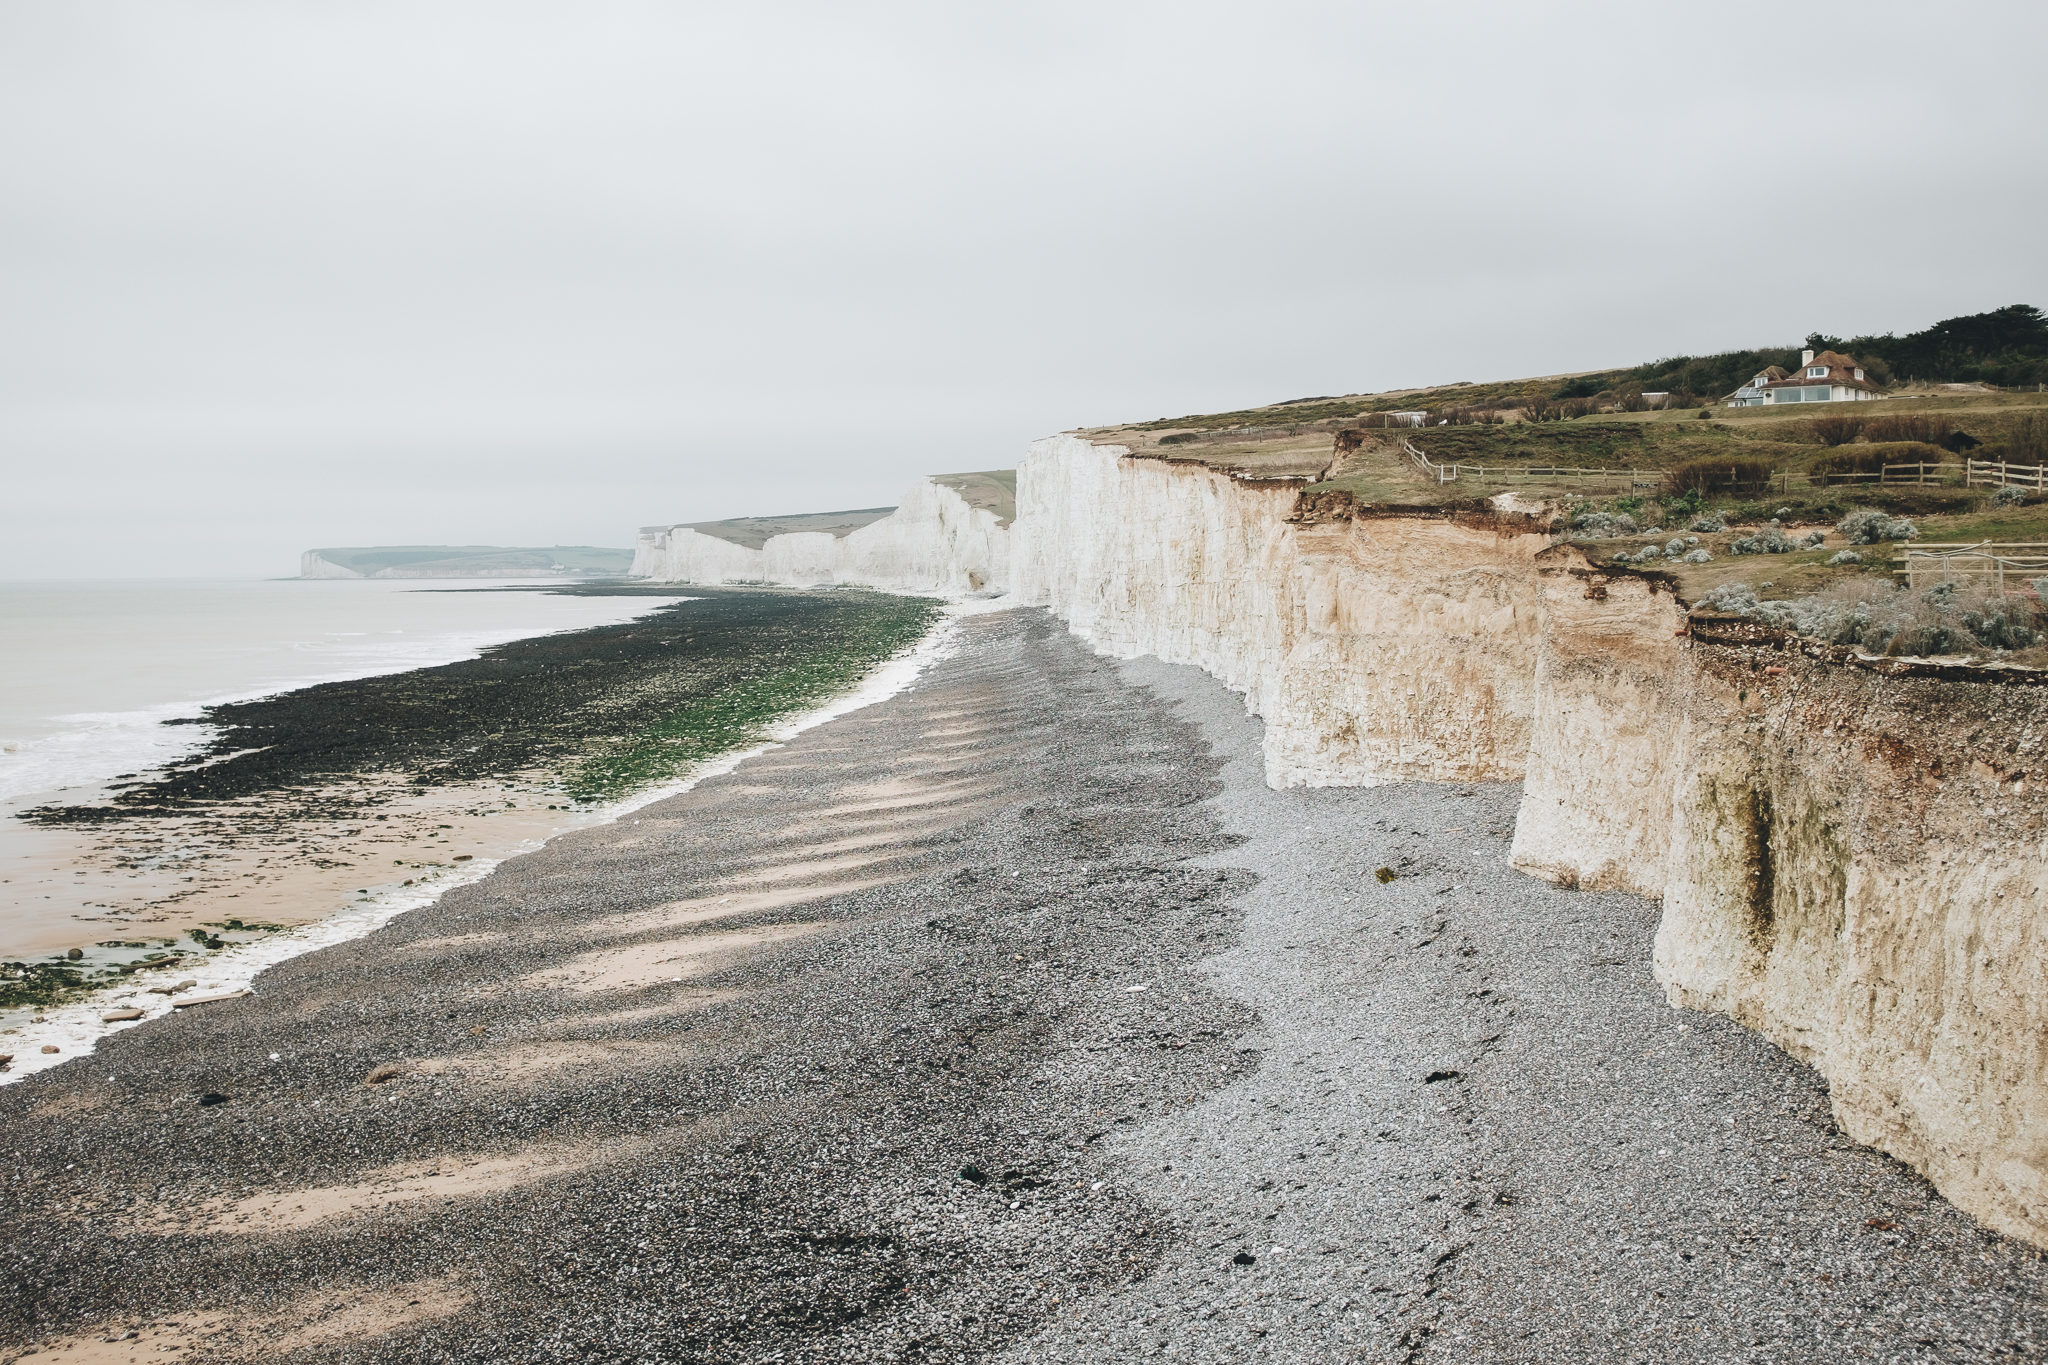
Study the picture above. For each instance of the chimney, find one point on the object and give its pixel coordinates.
(1806, 357)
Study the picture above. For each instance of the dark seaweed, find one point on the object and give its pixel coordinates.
(609, 708)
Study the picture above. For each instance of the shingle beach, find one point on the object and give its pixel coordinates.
(1013, 1018)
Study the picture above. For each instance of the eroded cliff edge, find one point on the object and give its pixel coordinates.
(1852, 858)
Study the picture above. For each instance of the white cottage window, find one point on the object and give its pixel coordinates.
(1816, 372)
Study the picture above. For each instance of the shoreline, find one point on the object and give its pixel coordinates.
(466, 853)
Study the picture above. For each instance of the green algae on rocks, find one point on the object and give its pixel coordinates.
(608, 709)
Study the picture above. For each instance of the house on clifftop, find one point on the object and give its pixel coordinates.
(1829, 377)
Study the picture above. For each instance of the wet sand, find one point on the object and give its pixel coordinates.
(1012, 1018)
(160, 878)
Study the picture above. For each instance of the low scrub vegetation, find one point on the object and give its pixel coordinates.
(1735, 474)
(1836, 430)
(1869, 526)
(1884, 619)
(1873, 459)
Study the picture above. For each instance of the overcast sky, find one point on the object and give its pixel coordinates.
(277, 274)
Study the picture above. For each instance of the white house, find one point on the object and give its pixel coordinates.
(1829, 377)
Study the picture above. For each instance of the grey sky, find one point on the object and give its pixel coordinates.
(280, 274)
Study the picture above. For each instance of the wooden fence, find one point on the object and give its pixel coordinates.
(2003, 475)
(2001, 565)
(1451, 473)
(1923, 474)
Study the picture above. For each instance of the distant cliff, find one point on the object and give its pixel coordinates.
(949, 535)
(465, 561)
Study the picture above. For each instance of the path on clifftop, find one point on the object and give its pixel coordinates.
(1011, 1019)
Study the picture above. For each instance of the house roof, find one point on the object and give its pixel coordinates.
(1841, 370)
(1767, 374)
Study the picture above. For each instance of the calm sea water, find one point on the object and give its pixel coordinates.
(89, 671)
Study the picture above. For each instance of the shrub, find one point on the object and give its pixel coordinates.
(1708, 522)
(1675, 547)
(2009, 497)
(1837, 430)
(1180, 438)
(1735, 474)
(1771, 540)
(1869, 526)
(1596, 524)
(2028, 443)
(1845, 557)
(1909, 426)
(1700, 556)
(1684, 504)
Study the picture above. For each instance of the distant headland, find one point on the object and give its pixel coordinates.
(465, 561)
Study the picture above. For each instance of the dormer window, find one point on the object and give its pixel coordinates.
(1859, 372)
(1816, 372)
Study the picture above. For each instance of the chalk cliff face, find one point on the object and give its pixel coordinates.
(1854, 864)
(1376, 651)
(935, 541)
(313, 564)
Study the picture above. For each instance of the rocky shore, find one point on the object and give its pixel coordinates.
(1013, 1018)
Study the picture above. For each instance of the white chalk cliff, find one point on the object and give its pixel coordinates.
(1851, 862)
(949, 535)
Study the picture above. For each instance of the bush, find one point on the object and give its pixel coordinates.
(1733, 474)
(1845, 557)
(1771, 540)
(1596, 524)
(1700, 556)
(1709, 522)
(1837, 430)
(1908, 426)
(1180, 438)
(2028, 443)
(1869, 526)
(2009, 497)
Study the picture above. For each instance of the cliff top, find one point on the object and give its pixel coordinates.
(753, 532)
(990, 490)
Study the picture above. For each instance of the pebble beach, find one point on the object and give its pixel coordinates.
(1012, 1018)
